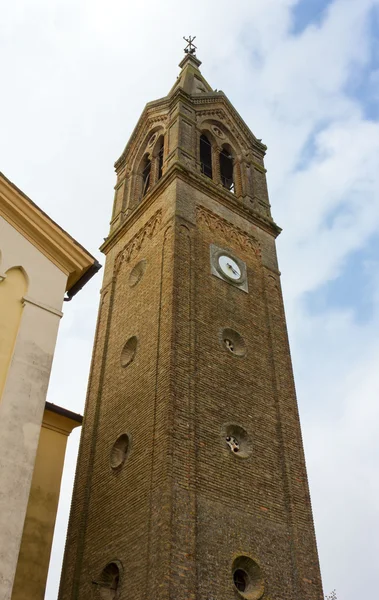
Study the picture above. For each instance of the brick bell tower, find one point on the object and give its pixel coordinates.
(191, 481)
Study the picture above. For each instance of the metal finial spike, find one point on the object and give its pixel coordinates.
(190, 48)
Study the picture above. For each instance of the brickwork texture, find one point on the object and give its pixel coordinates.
(183, 507)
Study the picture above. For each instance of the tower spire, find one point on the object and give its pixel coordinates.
(190, 79)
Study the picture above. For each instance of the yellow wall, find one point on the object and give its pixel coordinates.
(29, 321)
(12, 289)
(33, 561)
(39, 262)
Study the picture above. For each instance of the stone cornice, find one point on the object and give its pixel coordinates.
(50, 309)
(203, 184)
(227, 199)
(148, 200)
(60, 420)
(41, 231)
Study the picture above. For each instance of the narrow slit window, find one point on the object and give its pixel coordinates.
(226, 170)
(146, 175)
(205, 156)
(160, 160)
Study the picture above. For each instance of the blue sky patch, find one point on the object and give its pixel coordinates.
(308, 12)
(309, 150)
(342, 212)
(363, 84)
(352, 289)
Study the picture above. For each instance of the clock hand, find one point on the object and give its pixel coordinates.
(233, 270)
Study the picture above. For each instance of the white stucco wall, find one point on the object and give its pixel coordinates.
(24, 394)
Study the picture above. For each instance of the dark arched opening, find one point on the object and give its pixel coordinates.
(240, 579)
(109, 582)
(226, 170)
(160, 157)
(146, 174)
(205, 156)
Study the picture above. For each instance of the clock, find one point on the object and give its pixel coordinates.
(225, 265)
(229, 267)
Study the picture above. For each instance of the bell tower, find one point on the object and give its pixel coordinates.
(191, 481)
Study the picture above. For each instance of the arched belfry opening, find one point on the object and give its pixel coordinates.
(205, 156)
(146, 174)
(160, 156)
(149, 170)
(227, 169)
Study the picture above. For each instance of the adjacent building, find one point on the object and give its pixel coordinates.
(37, 536)
(39, 264)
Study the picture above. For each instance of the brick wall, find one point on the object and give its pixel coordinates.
(184, 507)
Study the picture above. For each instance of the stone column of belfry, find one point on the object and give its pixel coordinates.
(217, 173)
(154, 169)
(191, 481)
(238, 179)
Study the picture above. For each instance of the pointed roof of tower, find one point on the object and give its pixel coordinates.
(190, 79)
(191, 82)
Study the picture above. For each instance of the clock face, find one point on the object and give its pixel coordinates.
(229, 267)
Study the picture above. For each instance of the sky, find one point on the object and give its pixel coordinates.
(304, 75)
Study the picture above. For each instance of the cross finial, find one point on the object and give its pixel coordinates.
(190, 48)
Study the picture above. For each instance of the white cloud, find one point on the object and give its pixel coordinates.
(338, 385)
(77, 77)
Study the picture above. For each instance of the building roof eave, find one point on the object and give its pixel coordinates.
(45, 234)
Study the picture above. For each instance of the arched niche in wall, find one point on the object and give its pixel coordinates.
(13, 287)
